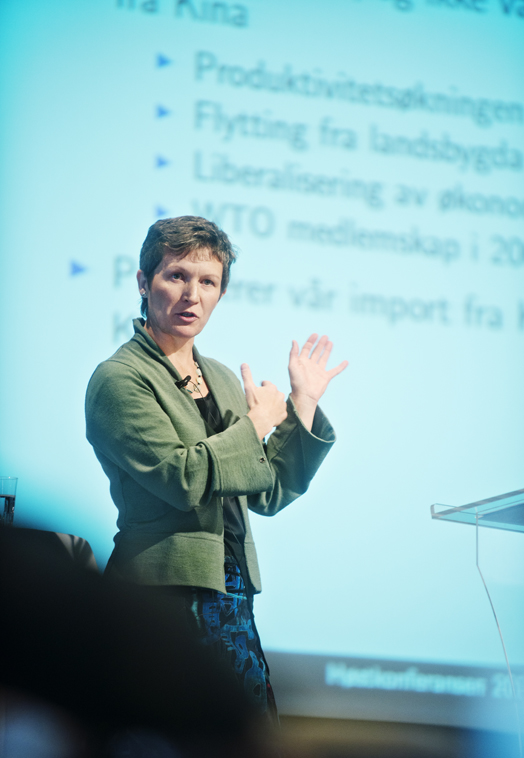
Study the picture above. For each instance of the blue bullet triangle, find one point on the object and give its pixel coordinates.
(163, 60)
(161, 162)
(76, 268)
(161, 111)
(160, 212)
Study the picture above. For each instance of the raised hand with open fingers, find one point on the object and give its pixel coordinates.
(309, 376)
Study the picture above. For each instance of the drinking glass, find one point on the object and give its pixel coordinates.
(7, 494)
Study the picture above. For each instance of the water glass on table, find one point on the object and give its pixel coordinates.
(7, 495)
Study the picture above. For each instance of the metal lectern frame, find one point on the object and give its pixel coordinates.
(501, 512)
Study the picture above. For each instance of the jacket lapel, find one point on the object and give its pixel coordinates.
(225, 392)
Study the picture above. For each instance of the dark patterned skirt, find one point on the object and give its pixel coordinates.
(227, 625)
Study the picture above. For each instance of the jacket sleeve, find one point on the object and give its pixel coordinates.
(294, 456)
(176, 462)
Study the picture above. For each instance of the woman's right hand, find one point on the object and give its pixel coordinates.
(267, 406)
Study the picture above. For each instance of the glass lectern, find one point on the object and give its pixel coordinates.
(504, 512)
(501, 512)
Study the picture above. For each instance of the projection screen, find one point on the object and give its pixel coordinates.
(366, 157)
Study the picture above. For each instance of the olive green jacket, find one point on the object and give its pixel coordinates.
(168, 476)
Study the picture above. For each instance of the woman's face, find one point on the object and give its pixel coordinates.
(183, 294)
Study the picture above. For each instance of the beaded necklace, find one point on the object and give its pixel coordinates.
(196, 387)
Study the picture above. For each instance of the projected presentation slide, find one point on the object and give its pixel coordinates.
(366, 158)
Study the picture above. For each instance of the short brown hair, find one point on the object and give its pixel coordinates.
(180, 236)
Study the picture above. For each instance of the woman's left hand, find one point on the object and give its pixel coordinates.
(308, 375)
